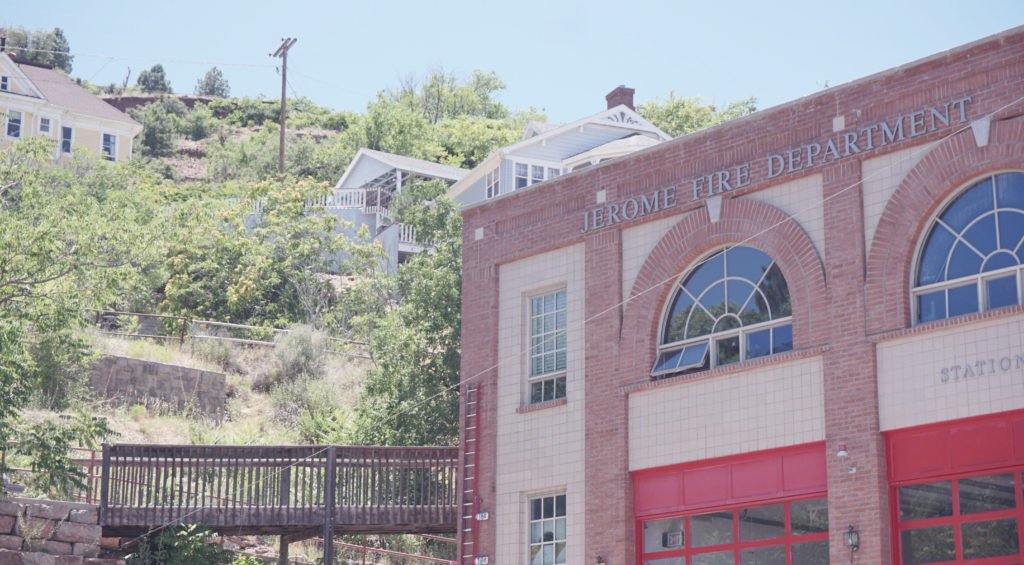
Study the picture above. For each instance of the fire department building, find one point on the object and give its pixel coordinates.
(796, 338)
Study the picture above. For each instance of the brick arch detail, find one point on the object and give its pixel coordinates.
(943, 172)
(694, 237)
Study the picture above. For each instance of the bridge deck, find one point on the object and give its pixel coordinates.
(279, 490)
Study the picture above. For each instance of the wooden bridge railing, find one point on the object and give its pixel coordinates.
(265, 489)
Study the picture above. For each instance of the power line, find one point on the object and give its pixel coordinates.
(15, 50)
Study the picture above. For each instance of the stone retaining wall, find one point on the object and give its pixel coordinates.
(42, 532)
(135, 381)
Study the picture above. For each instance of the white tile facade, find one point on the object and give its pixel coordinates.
(802, 200)
(950, 374)
(542, 451)
(881, 177)
(746, 411)
(637, 244)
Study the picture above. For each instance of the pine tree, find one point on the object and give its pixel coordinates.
(213, 83)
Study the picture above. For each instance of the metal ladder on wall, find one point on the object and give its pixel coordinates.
(469, 506)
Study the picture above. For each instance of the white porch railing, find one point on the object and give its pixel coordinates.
(406, 234)
(346, 198)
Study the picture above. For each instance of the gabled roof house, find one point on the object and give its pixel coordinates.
(37, 101)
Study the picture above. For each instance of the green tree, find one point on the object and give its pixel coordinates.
(43, 47)
(154, 80)
(213, 83)
(410, 396)
(680, 116)
(71, 238)
(161, 123)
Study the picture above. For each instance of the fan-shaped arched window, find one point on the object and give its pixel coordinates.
(733, 306)
(971, 259)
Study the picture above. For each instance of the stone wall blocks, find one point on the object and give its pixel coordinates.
(80, 533)
(87, 516)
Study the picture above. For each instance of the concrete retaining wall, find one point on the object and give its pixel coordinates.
(135, 381)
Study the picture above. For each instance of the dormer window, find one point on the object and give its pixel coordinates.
(4, 83)
(526, 174)
(492, 183)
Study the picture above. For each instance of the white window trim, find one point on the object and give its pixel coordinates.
(103, 155)
(71, 141)
(528, 317)
(21, 124)
(530, 163)
(39, 125)
(492, 184)
(714, 338)
(528, 498)
(915, 291)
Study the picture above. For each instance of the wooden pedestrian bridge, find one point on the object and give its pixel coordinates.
(296, 492)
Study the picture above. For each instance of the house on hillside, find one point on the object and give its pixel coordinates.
(364, 194)
(37, 101)
(547, 151)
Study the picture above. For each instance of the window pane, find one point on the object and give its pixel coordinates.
(986, 494)
(782, 338)
(932, 267)
(560, 388)
(549, 554)
(535, 536)
(676, 323)
(560, 505)
(694, 356)
(549, 506)
(738, 293)
(719, 558)
(1010, 190)
(756, 310)
(536, 392)
(747, 262)
(1000, 260)
(661, 535)
(963, 300)
(764, 556)
(932, 500)
(964, 261)
(759, 344)
(560, 553)
(809, 516)
(711, 270)
(535, 556)
(728, 350)
(714, 299)
(982, 235)
(762, 522)
(535, 506)
(711, 529)
(1002, 291)
(700, 324)
(667, 361)
(560, 529)
(969, 206)
(811, 553)
(1011, 228)
(931, 306)
(927, 545)
(990, 539)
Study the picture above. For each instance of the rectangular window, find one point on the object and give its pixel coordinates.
(66, 134)
(492, 182)
(548, 346)
(547, 530)
(536, 174)
(44, 125)
(760, 533)
(522, 179)
(13, 123)
(975, 516)
(5, 83)
(110, 147)
(553, 172)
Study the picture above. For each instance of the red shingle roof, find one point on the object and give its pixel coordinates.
(62, 91)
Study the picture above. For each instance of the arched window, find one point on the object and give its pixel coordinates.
(732, 307)
(971, 259)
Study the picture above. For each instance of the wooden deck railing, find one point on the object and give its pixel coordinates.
(254, 489)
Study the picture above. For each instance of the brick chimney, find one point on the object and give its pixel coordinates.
(621, 95)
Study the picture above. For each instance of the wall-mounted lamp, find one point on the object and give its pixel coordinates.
(852, 539)
(600, 561)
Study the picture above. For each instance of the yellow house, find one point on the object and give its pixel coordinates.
(38, 101)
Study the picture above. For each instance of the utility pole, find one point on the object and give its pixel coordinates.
(282, 53)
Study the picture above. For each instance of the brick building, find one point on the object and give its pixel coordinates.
(758, 342)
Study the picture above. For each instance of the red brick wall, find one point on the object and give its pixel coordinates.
(840, 297)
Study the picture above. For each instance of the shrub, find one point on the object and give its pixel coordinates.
(183, 545)
(199, 124)
(300, 352)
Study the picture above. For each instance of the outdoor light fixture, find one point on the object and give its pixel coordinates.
(852, 539)
(600, 561)
(842, 453)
